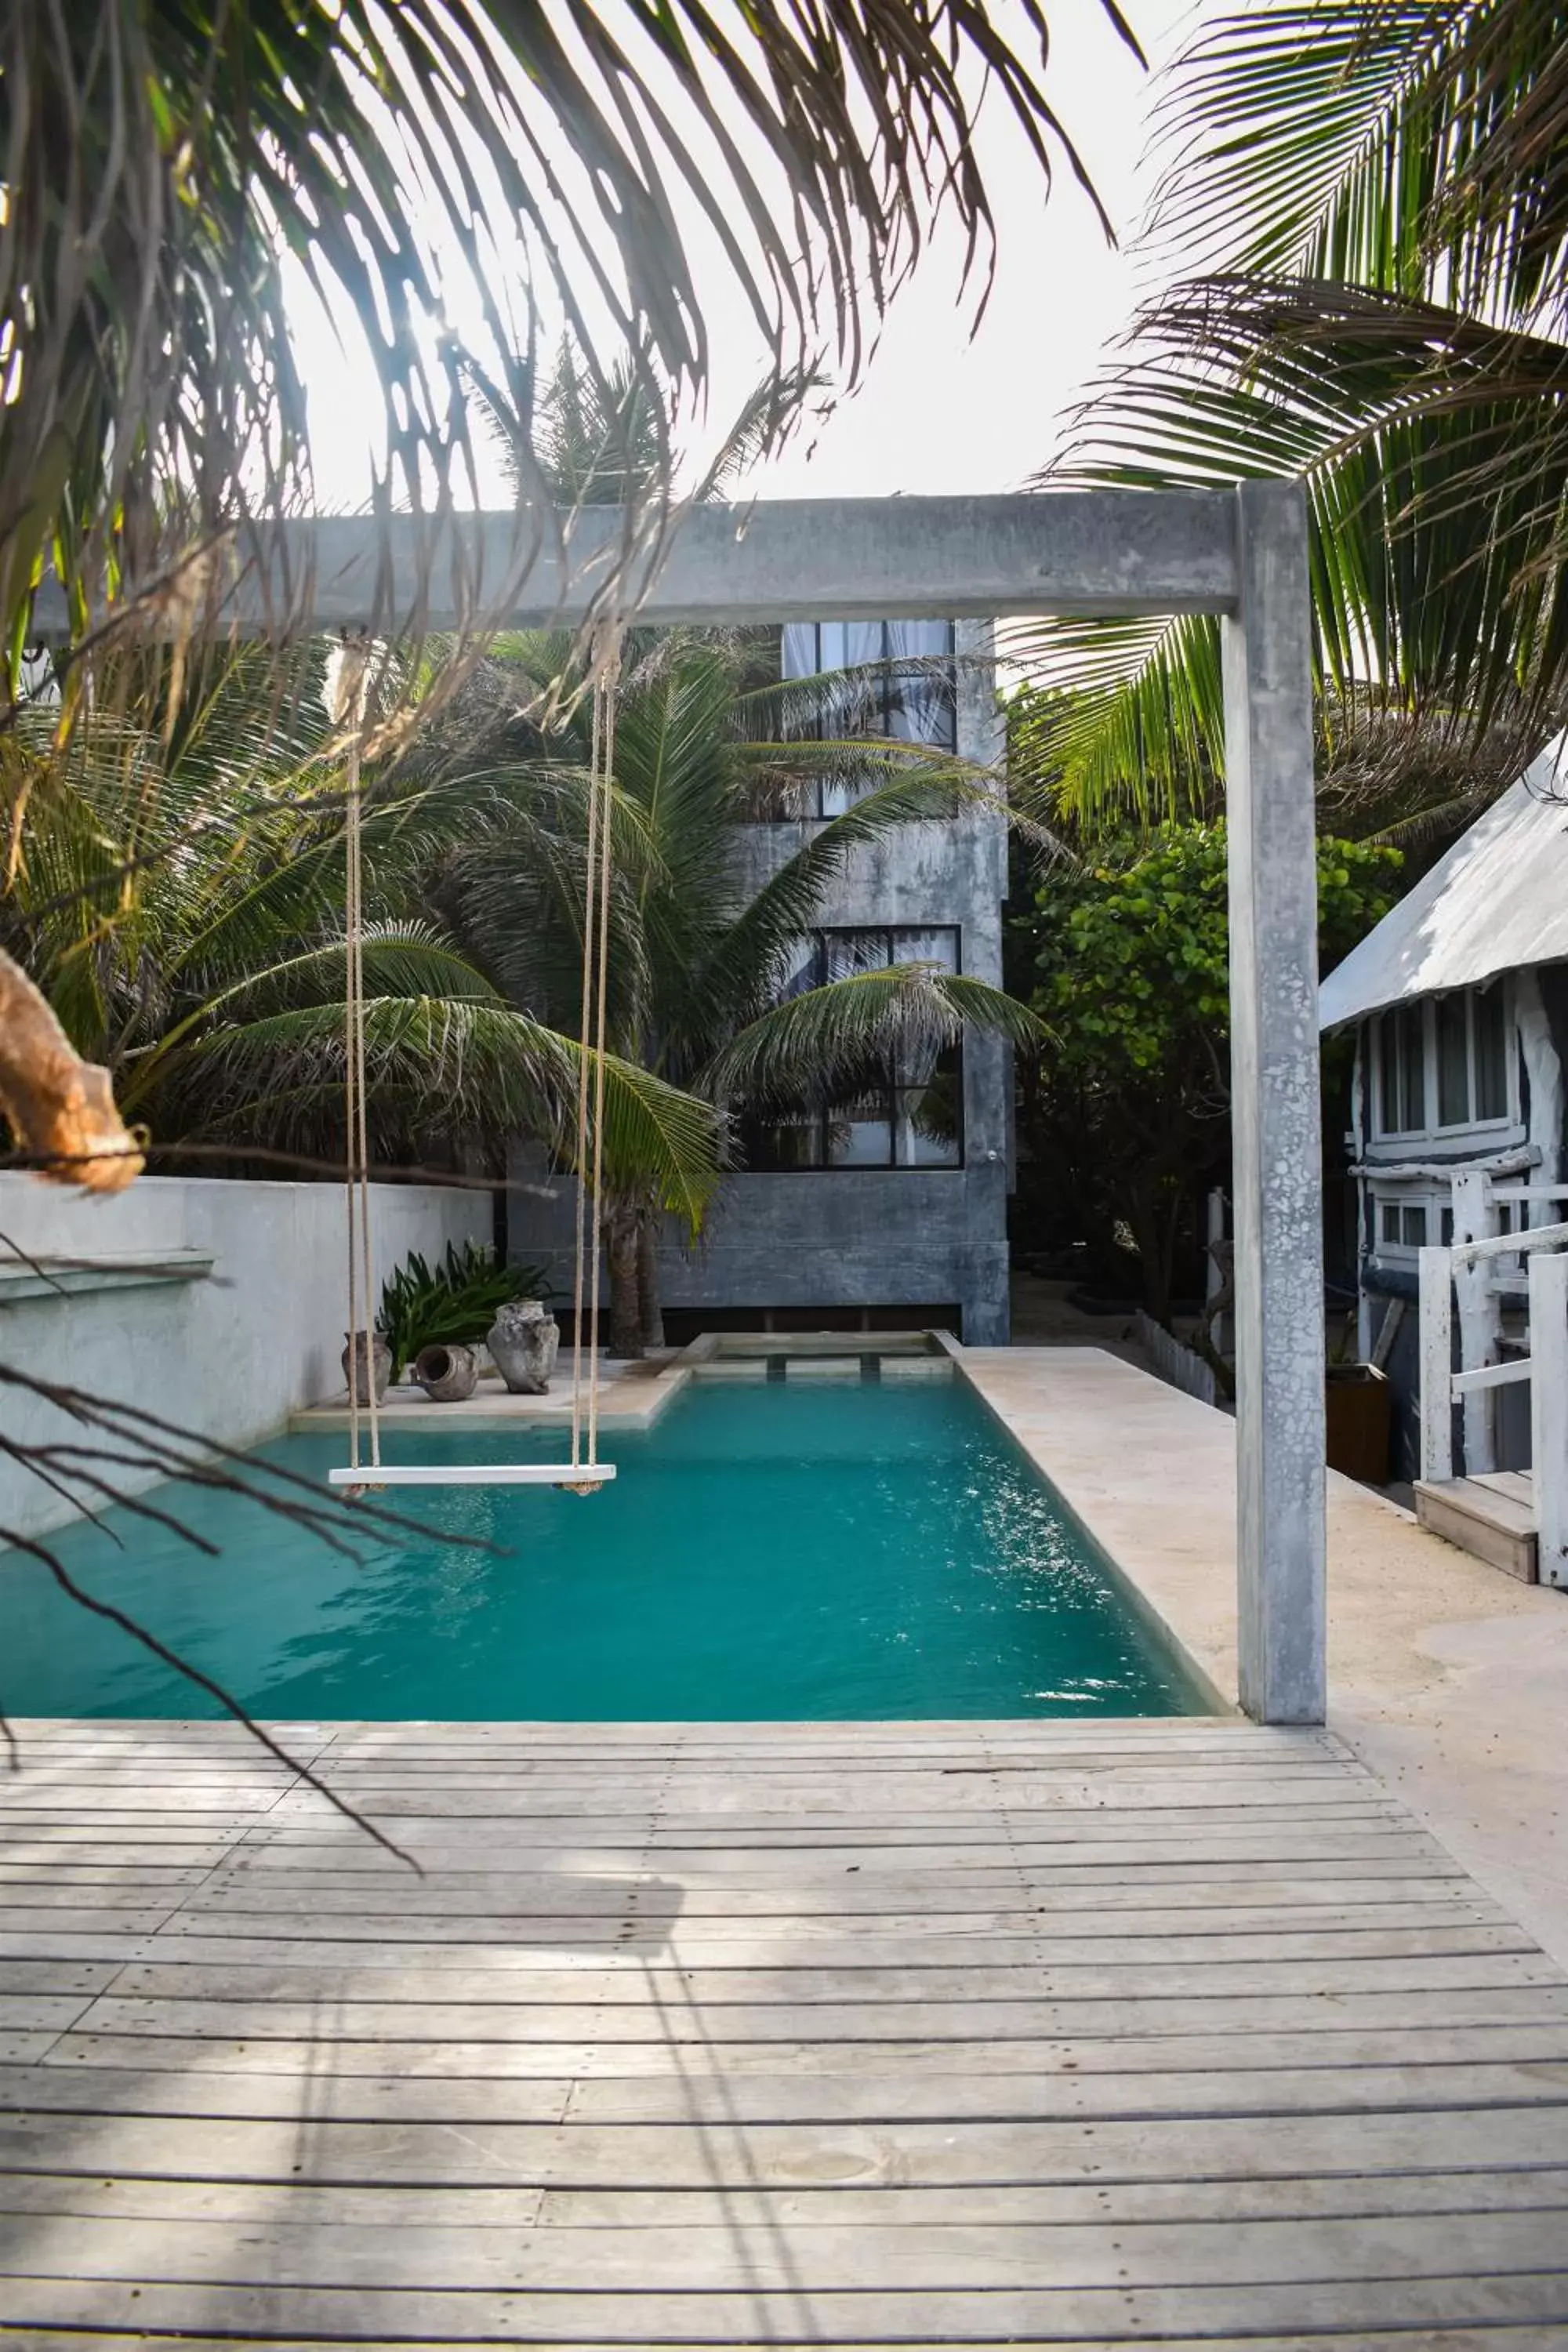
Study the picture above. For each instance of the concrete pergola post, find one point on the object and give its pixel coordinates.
(1241, 554)
(1276, 1127)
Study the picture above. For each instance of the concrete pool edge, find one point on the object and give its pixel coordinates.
(1153, 1598)
(1448, 1679)
(633, 1395)
(493, 1411)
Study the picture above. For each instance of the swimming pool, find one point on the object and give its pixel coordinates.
(782, 1552)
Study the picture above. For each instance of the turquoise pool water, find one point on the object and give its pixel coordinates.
(798, 1550)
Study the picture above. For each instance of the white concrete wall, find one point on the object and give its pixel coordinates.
(230, 1356)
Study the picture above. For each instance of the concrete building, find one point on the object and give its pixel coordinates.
(892, 1209)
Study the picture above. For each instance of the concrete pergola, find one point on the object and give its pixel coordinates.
(1240, 553)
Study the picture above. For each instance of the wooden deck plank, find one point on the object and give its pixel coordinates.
(1068, 1868)
(738, 1966)
(1454, 2127)
(559, 2039)
(404, 2148)
(1501, 2335)
(1211, 2045)
(550, 1822)
(227, 1969)
(971, 1864)
(457, 1895)
(364, 2315)
(742, 2254)
(838, 2034)
(985, 2203)
(674, 2082)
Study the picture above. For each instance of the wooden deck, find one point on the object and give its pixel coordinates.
(1078, 2034)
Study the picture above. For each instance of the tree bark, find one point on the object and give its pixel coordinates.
(61, 1108)
(650, 1307)
(621, 1224)
(1151, 1232)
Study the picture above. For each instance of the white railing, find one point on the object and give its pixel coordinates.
(1479, 1269)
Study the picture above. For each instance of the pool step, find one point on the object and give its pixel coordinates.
(873, 1366)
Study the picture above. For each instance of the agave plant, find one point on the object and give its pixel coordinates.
(454, 1303)
(1378, 197)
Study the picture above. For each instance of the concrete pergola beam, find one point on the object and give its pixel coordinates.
(798, 559)
(1242, 554)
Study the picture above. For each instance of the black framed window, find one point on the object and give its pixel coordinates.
(1444, 1063)
(1402, 1071)
(901, 684)
(907, 1116)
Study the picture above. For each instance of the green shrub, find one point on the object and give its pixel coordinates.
(455, 1302)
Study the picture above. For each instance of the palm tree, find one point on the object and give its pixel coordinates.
(701, 965)
(184, 911)
(1377, 197)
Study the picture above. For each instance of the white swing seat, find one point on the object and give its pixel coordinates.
(475, 1474)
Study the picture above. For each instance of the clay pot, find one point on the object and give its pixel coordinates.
(381, 1366)
(447, 1374)
(523, 1341)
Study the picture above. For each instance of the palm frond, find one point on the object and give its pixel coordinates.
(744, 964)
(1413, 146)
(466, 1064)
(1435, 452)
(173, 175)
(400, 960)
(825, 1040)
(1299, 139)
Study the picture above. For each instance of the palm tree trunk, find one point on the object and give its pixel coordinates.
(650, 1307)
(1151, 1232)
(621, 1224)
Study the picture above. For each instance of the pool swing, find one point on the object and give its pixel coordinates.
(585, 1474)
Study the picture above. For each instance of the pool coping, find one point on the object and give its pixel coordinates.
(654, 1382)
(1138, 1583)
(494, 1409)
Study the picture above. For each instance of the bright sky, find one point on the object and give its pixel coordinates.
(938, 410)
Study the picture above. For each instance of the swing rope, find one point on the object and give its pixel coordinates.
(349, 709)
(347, 697)
(606, 661)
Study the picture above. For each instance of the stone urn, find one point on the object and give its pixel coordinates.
(523, 1341)
(381, 1366)
(446, 1373)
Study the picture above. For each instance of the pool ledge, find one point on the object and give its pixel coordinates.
(631, 1396)
(1451, 1680)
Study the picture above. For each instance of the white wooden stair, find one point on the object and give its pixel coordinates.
(1492, 1515)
